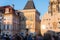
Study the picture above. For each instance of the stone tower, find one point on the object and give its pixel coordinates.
(32, 17)
(54, 6)
(51, 19)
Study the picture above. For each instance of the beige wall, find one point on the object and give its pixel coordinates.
(12, 20)
(31, 22)
(49, 22)
(8, 18)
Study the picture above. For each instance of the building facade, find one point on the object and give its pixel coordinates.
(10, 20)
(32, 17)
(51, 19)
(17, 21)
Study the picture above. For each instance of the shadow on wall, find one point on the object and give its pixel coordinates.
(22, 19)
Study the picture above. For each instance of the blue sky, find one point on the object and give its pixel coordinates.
(41, 5)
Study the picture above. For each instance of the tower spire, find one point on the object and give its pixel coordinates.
(53, 7)
(30, 5)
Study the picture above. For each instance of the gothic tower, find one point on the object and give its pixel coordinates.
(54, 6)
(32, 17)
(51, 20)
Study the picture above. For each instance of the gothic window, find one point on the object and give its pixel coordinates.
(47, 19)
(59, 22)
(54, 6)
(59, 1)
(59, 8)
(31, 19)
(49, 9)
(54, 25)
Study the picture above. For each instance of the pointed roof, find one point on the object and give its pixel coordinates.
(30, 5)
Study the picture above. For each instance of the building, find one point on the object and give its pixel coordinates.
(9, 20)
(22, 23)
(18, 21)
(51, 19)
(32, 17)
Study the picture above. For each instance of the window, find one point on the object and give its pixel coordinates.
(4, 27)
(59, 8)
(58, 18)
(59, 0)
(0, 19)
(31, 18)
(50, 27)
(7, 10)
(1, 11)
(47, 19)
(54, 6)
(59, 22)
(59, 27)
(0, 26)
(7, 26)
(6, 18)
(49, 10)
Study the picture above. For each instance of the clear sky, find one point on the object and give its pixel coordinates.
(41, 5)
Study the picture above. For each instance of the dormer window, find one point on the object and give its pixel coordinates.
(7, 10)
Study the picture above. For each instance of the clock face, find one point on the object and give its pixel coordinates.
(54, 6)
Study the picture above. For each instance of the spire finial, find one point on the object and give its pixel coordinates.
(30, 0)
